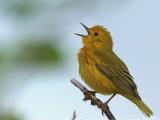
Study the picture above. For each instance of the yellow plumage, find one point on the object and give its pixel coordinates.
(103, 70)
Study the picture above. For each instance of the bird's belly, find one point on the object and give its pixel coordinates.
(96, 80)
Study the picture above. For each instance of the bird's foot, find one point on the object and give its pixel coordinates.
(87, 96)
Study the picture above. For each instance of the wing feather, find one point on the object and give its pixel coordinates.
(115, 70)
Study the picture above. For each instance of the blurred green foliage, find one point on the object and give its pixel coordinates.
(21, 7)
(40, 51)
(19, 17)
(1, 57)
(9, 116)
(3, 60)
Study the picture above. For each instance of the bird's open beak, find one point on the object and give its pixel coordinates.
(87, 29)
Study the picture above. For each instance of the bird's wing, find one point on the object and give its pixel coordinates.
(115, 70)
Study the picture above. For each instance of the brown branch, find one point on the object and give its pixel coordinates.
(104, 108)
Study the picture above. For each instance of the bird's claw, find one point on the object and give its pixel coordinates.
(102, 113)
(93, 103)
(87, 96)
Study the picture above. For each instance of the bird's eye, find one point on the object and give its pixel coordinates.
(95, 34)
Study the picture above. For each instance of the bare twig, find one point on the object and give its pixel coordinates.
(94, 99)
(74, 116)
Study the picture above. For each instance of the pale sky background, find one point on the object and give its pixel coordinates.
(135, 28)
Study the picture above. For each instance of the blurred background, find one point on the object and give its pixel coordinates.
(38, 56)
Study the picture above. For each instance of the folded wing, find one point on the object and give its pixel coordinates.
(114, 69)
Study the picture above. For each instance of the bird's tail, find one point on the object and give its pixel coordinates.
(141, 105)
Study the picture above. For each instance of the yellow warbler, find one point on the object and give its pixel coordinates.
(103, 71)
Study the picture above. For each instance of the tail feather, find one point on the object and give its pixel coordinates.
(141, 105)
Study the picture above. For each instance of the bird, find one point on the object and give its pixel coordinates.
(103, 71)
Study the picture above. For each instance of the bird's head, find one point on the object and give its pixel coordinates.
(97, 37)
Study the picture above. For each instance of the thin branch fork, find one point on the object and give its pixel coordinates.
(104, 108)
